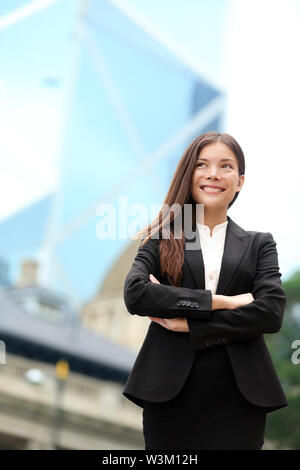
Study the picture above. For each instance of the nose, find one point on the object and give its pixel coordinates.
(212, 173)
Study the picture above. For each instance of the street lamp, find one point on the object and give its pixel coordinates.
(61, 374)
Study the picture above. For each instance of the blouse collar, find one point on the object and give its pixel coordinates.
(217, 228)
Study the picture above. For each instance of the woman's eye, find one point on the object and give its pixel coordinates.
(225, 164)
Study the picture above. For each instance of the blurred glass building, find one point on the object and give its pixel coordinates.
(135, 99)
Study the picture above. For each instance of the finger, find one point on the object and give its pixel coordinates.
(156, 320)
(153, 279)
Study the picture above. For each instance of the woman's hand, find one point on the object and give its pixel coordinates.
(236, 301)
(230, 302)
(153, 279)
(173, 324)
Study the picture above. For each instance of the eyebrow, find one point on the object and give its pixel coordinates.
(222, 159)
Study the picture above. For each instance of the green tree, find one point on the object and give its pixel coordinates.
(283, 426)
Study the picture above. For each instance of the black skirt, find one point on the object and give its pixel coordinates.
(209, 413)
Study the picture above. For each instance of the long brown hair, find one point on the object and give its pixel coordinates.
(171, 249)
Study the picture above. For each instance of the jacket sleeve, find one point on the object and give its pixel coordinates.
(263, 315)
(144, 298)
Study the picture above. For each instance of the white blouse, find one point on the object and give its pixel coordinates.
(212, 252)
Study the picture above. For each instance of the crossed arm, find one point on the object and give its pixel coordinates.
(263, 315)
(218, 301)
(143, 298)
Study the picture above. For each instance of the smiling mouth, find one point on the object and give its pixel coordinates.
(212, 189)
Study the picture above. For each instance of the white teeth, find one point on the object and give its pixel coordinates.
(212, 190)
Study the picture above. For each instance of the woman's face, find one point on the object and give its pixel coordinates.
(217, 166)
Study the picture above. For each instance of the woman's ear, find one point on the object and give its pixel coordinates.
(241, 182)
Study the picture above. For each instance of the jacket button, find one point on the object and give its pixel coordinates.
(192, 304)
(178, 303)
(196, 304)
(188, 303)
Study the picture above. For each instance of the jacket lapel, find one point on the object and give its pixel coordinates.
(236, 242)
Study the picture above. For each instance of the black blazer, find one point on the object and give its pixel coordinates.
(249, 264)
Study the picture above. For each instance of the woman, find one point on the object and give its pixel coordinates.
(204, 376)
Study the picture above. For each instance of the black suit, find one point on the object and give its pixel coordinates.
(249, 264)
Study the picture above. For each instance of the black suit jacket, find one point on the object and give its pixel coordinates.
(249, 264)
